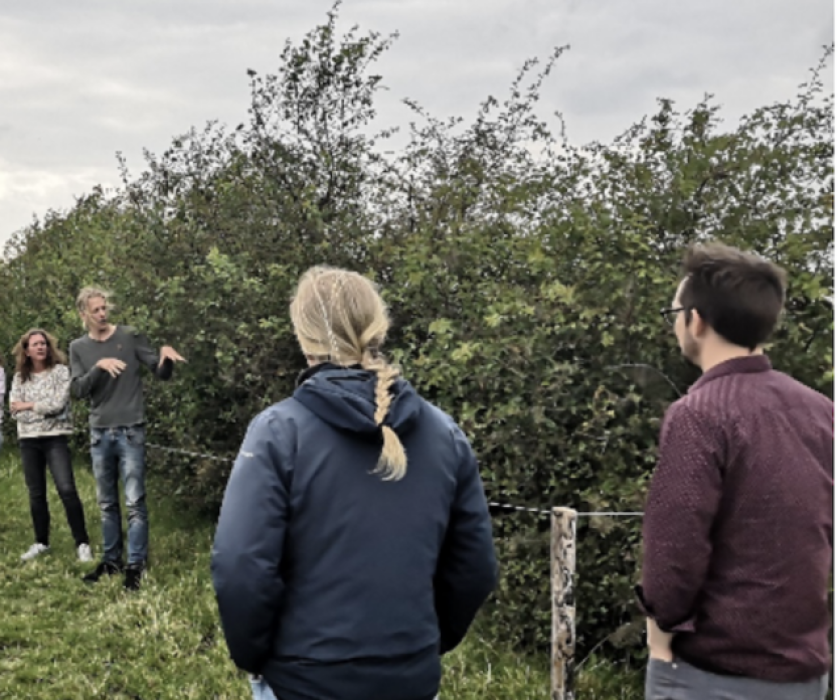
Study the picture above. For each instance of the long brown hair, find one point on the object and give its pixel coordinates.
(24, 363)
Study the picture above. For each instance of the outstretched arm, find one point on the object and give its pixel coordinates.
(160, 364)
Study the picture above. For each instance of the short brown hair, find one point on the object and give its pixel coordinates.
(24, 363)
(740, 295)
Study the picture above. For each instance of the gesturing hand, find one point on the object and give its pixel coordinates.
(111, 365)
(167, 352)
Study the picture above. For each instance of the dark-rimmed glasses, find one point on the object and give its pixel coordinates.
(668, 312)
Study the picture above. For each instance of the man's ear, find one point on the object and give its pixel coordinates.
(696, 323)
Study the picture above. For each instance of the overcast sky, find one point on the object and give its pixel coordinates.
(82, 80)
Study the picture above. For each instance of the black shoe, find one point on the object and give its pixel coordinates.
(133, 574)
(103, 568)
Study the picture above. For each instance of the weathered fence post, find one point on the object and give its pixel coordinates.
(563, 531)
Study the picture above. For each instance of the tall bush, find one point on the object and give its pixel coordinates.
(524, 274)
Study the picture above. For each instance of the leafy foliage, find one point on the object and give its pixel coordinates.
(524, 275)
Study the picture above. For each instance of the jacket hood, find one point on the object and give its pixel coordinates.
(344, 397)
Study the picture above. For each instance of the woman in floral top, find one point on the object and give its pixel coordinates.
(40, 403)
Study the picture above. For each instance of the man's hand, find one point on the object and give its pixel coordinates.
(18, 406)
(111, 365)
(167, 352)
(659, 642)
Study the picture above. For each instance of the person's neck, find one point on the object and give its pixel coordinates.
(103, 334)
(38, 367)
(717, 354)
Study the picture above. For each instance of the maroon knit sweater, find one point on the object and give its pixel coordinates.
(738, 525)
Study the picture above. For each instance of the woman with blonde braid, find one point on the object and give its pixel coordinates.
(354, 544)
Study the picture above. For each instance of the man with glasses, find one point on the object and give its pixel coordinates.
(737, 531)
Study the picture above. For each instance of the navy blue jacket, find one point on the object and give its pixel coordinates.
(318, 561)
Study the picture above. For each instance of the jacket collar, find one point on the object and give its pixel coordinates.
(740, 365)
(320, 367)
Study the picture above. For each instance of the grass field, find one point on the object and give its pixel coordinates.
(64, 640)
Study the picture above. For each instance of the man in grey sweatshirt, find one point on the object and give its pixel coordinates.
(106, 368)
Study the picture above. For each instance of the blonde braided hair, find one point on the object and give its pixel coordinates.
(338, 315)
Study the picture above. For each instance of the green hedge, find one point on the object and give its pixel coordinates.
(523, 274)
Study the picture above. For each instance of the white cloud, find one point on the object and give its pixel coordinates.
(82, 80)
(25, 191)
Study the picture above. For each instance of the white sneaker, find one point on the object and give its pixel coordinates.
(84, 553)
(34, 551)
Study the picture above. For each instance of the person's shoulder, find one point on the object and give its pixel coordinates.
(794, 386)
(283, 411)
(693, 408)
(444, 423)
(277, 424)
(132, 331)
(61, 370)
(80, 341)
(437, 414)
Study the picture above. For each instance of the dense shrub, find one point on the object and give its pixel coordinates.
(524, 275)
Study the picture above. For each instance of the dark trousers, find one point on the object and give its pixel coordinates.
(53, 452)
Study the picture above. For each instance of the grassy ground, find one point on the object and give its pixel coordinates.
(64, 640)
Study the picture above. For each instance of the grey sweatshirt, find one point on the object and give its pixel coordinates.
(114, 401)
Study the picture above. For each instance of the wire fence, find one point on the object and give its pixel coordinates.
(492, 504)
(644, 374)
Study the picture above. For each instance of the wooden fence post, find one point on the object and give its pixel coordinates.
(563, 531)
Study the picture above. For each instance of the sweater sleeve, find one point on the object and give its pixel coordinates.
(682, 504)
(59, 393)
(16, 394)
(150, 357)
(83, 381)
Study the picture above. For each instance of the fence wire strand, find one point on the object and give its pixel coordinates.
(492, 504)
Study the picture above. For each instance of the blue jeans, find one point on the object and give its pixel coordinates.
(119, 453)
(260, 689)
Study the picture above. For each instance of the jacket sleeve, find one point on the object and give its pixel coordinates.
(467, 570)
(682, 504)
(59, 393)
(248, 546)
(83, 381)
(150, 357)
